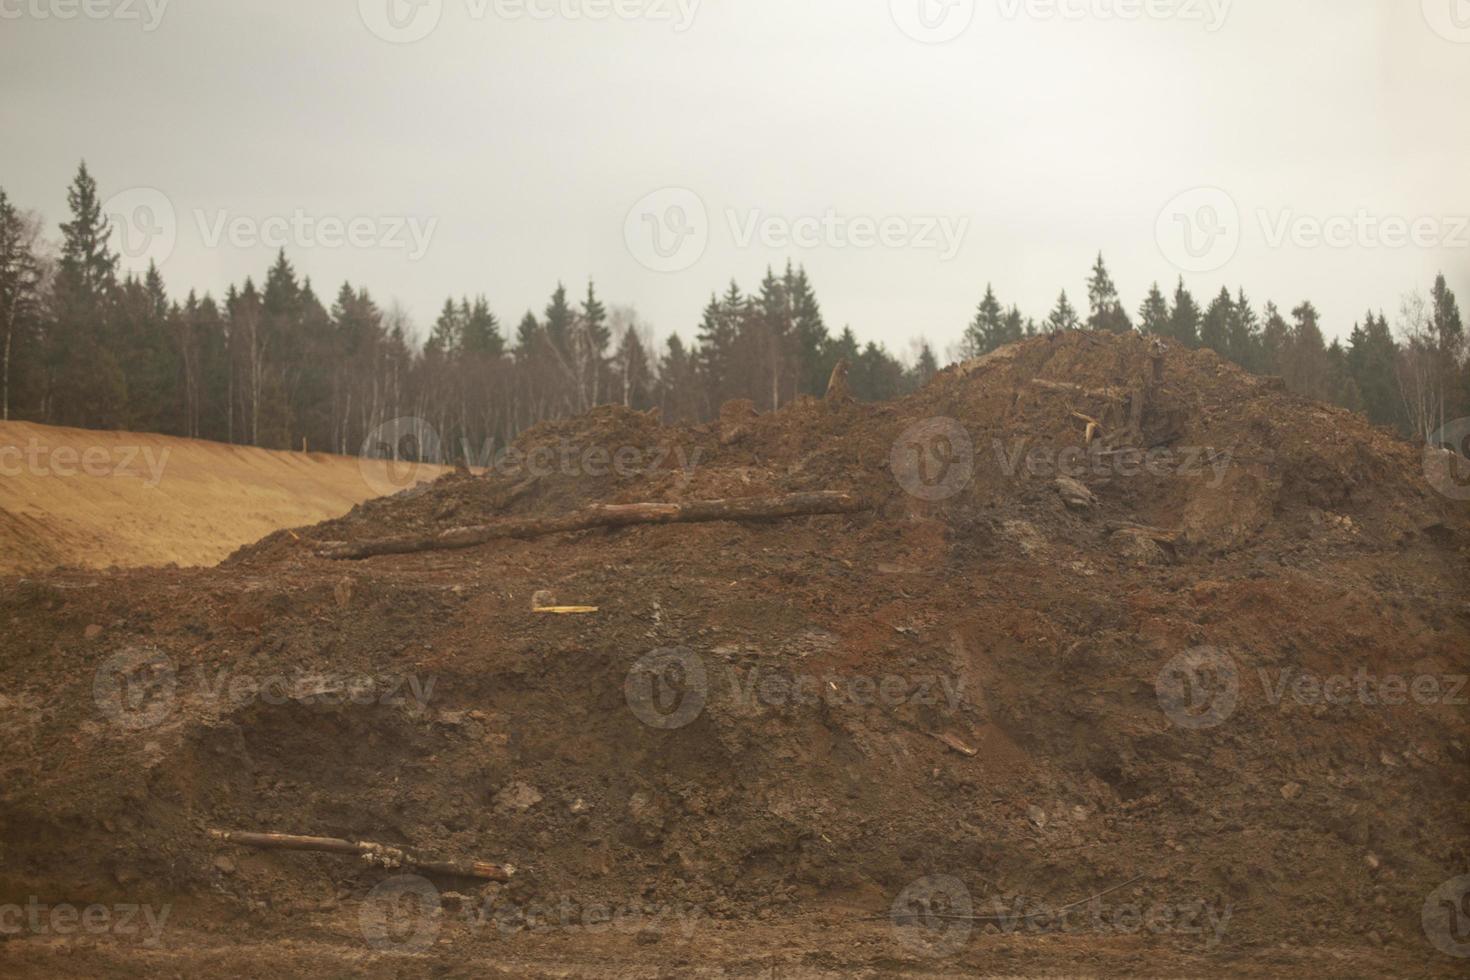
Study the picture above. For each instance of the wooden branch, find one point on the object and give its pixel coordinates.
(378, 854)
(609, 515)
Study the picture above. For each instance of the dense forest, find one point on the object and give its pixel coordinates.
(274, 365)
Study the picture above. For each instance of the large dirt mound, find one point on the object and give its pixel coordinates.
(1213, 672)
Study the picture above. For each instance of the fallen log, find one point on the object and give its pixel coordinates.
(381, 855)
(608, 515)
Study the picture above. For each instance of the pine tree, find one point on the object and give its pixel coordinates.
(986, 331)
(926, 366)
(1064, 316)
(1306, 360)
(1244, 342)
(1153, 315)
(90, 387)
(1107, 312)
(528, 336)
(1214, 331)
(560, 318)
(809, 332)
(1184, 320)
(444, 339)
(678, 383)
(481, 333)
(1275, 341)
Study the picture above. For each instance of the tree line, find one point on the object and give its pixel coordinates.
(275, 365)
(1413, 377)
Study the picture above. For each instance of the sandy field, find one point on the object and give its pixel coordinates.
(100, 499)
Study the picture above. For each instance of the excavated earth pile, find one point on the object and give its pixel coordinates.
(1196, 712)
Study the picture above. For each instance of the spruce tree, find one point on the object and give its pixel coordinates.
(1106, 312)
(987, 330)
(560, 318)
(1153, 315)
(91, 389)
(809, 331)
(1064, 316)
(1184, 320)
(1275, 341)
(1214, 331)
(1245, 342)
(481, 333)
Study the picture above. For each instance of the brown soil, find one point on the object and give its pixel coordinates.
(771, 835)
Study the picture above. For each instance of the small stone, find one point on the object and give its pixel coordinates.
(1075, 493)
(579, 806)
(1036, 815)
(648, 937)
(92, 632)
(518, 796)
(1372, 861)
(1291, 791)
(224, 865)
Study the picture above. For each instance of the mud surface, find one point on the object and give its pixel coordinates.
(1200, 716)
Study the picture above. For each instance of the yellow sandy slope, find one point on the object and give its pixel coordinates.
(77, 497)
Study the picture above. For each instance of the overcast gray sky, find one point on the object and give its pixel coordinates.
(906, 151)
